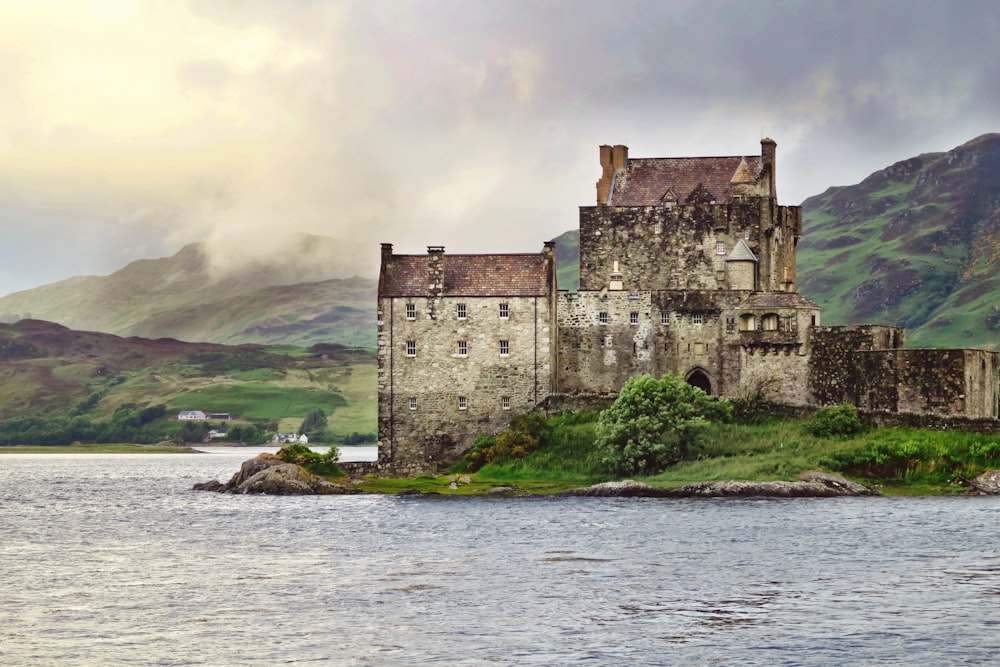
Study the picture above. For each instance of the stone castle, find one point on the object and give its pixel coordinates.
(687, 265)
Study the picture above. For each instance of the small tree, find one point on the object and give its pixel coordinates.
(654, 423)
(314, 425)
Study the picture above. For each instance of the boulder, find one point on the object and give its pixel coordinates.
(988, 483)
(270, 475)
(811, 484)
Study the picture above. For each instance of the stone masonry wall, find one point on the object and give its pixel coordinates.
(660, 248)
(434, 402)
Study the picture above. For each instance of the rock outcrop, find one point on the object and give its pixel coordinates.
(813, 484)
(987, 484)
(270, 475)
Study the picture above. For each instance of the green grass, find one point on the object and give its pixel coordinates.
(257, 400)
(775, 451)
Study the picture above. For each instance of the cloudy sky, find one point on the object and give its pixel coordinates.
(129, 128)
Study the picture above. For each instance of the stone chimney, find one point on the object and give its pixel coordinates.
(386, 253)
(767, 152)
(612, 157)
(435, 270)
(616, 283)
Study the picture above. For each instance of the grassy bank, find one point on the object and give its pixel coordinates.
(901, 461)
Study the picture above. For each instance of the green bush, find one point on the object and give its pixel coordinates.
(655, 423)
(318, 464)
(840, 420)
(525, 434)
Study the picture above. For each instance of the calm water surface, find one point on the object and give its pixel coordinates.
(113, 560)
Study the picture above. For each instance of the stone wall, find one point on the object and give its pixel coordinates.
(676, 248)
(433, 398)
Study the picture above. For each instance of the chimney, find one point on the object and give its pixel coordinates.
(386, 253)
(612, 158)
(435, 269)
(767, 153)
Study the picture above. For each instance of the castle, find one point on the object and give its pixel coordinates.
(687, 265)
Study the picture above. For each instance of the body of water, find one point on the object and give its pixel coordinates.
(114, 560)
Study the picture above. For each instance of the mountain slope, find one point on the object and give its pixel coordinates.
(291, 301)
(916, 244)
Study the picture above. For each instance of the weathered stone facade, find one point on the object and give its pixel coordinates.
(687, 265)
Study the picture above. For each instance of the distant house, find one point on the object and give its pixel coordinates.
(287, 438)
(191, 415)
(218, 433)
(220, 415)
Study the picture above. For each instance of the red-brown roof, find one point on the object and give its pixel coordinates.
(468, 275)
(645, 180)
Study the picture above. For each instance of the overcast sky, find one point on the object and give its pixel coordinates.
(129, 128)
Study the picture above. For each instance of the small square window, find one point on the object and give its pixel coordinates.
(411, 311)
(505, 402)
(720, 248)
(463, 348)
(504, 348)
(665, 317)
(697, 318)
(461, 312)
(633, 318)
(602, 317)
(463, 403)
(413, 403)
(504, 311)
(411, 348)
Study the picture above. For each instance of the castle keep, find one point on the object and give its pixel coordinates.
(687, 265)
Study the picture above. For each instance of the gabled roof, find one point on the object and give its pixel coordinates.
(468, 275)
(777, 300)
(645, 180)
(741, 253)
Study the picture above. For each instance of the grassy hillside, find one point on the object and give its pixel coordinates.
(916, 244)
(49, 371)
(185, 296)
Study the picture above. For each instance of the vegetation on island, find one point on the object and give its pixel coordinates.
(664, 433)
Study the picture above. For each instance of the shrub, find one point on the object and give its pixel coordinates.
(840, 420)
(318, 464)
(654, 423)
(525, 434)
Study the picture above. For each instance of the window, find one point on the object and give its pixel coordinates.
(460, 311)
(505, 402)
(504, 348)
(720, 248)
(730, 325)
(463, 403)
(633, 318)
(697, 318)
(411, 311)
(463, 348)
(411, 348)
(657, 227)
(769, 322)
(504, 311)
(665, 317)
(746, 234)
(413, 403)
(602, 317)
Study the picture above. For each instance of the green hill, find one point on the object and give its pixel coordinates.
(48, 371)
(916, 244)
(288, 302)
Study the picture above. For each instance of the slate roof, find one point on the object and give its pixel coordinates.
(741, 253)
(468, 275)
(778, 300)
(645, 180)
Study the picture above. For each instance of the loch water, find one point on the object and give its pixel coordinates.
(114, 560)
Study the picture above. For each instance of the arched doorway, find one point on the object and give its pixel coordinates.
(697, 378)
